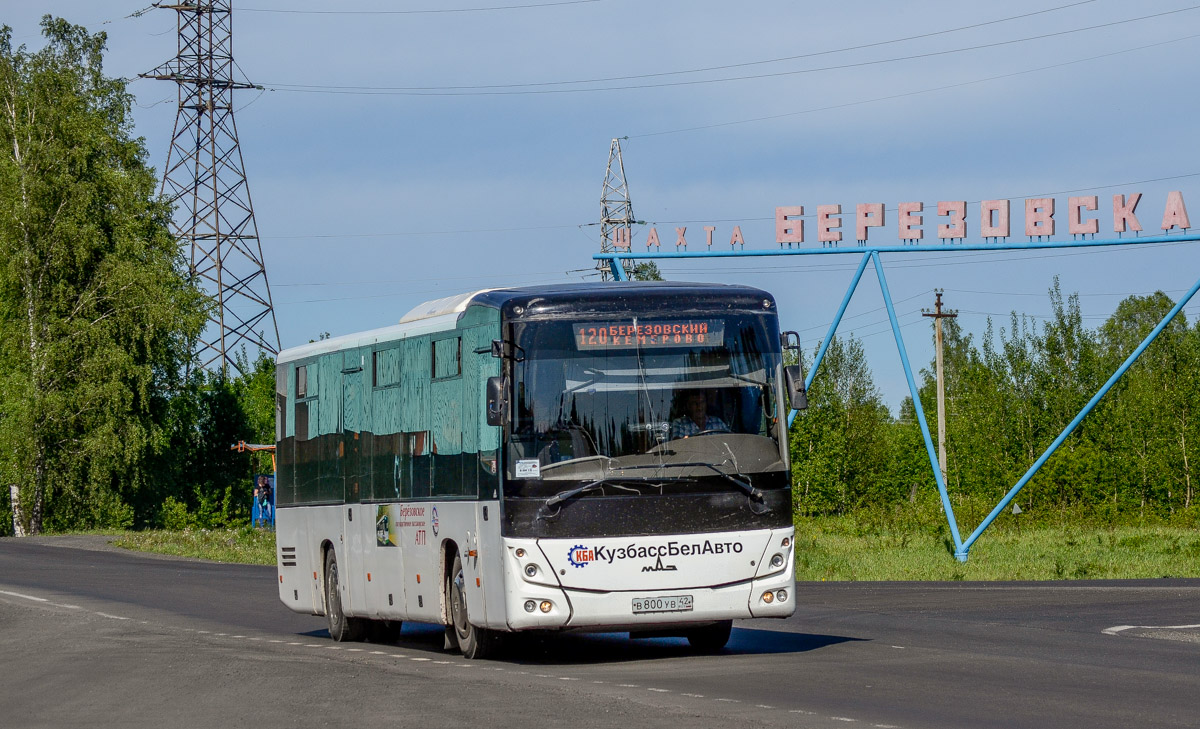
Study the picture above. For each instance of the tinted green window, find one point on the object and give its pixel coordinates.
(385, 367)
(447, 358)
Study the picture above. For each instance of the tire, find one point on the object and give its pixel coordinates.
(341, 628)
(473, 641)
(710, 638)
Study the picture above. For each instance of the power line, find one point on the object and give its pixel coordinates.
(782, 59)
(533, 88)
(906, 94)
(431, 11)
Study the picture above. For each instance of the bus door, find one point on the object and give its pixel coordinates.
(357, 524)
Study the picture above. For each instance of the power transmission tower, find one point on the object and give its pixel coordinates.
(937, 315)
(616, 211)
(206, 178)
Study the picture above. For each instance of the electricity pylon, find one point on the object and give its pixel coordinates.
(616, 211)
(206, 178)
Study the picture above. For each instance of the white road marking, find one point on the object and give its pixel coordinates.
(764, 706)
(695, 696)
(26, 597)
(112, 617)
(730, 701)
(661, 691)
(420, 659)
(1120, 628)
(842, 718)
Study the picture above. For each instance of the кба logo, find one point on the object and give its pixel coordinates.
(580, 555)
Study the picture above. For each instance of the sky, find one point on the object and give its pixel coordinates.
(397, 155)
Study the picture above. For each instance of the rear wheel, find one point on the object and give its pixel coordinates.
(474, 642)
(710, 638)
(341, 628)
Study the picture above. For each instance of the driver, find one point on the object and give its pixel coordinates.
(695, 418)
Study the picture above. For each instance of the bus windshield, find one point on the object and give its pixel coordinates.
(631, 397)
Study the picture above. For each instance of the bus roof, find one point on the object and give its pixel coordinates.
(442, 314)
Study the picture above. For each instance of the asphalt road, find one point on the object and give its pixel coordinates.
(96, 637)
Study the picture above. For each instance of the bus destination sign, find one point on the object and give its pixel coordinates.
(622, 335)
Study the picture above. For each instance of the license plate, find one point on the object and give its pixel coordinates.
(662, 604)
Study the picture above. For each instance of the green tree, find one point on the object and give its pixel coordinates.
(96, 316)
(839, 444)
(645, 271)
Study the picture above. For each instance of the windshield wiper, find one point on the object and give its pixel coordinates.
(568, 494)
(751, 491)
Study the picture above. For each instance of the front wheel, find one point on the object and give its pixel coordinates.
(341, 628)
(473, 641)
(710, 638)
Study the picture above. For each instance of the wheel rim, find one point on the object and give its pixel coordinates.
(335, 605)
(458, 607)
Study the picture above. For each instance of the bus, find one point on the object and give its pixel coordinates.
(606, 457)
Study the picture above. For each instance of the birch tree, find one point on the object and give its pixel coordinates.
(96, 316)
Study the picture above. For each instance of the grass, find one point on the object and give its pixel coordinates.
(840, 549)
(246, 545)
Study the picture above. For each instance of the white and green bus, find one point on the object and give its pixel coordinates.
(606, 457)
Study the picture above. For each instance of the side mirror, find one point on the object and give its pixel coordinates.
(496, 404)
(507, 350)
(793, 377)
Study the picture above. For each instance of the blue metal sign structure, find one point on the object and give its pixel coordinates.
(871, 254)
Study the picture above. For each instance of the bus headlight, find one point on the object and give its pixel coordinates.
(777, 561)
(547, 606)
(768, 597)
(531, 570)
(781, 595)
(521, 551)
(530, 606)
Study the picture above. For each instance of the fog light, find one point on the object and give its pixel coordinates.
(786, 542)
(768, 597)
(531, 570)
(530, 606)
(781, 595)
(777, 561)
(521, 552)
(547, 606)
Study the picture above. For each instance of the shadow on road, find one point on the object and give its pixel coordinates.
(590, 648)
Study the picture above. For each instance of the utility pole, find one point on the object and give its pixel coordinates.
(937, 315)
(616, 212)
(205, 176)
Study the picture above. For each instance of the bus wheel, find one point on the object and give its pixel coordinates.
(710, 638)
(341, 628)
(474, 642)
